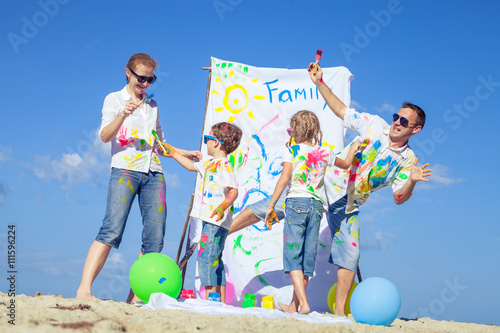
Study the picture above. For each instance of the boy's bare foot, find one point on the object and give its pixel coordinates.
(85, 296)
(304, 310)
(287, 308)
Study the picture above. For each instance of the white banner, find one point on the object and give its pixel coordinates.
(261, 102)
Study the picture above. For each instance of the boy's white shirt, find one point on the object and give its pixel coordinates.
(217, 179)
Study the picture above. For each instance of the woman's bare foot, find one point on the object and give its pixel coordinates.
(287, 308)
(85, 296)
(304, 310)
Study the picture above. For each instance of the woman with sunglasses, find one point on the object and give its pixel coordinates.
(128, 120)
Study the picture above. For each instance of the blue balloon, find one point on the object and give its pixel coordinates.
(375, 301)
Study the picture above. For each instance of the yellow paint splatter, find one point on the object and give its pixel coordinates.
(324, 143)
(217, 80)
(215, 263)
(219, 109)
(214, 92)
(121, 181)
(250, 114)
(255, 80)
(355, 234)
(231, 73)
(236, 101)
(260, 98)
(160, 208)
(231, 119)
(124, 200)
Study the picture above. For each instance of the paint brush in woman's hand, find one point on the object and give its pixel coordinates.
(159, 141)
(318, 58)
(145, 98)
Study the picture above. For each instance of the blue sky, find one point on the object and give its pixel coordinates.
(59, 59)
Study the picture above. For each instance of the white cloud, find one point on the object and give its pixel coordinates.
(386, 107)
(3, 190)
(379, 240)
(50, 263)
(440, 178)
(82, 165)
(5, 153)
(357, 106)
(86, 165)
(172, 180)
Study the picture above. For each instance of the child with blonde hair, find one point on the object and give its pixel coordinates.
(305, 161)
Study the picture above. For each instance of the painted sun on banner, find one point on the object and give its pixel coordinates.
(261, 102)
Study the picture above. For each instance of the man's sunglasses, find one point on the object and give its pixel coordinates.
(143, 79)
(209, 137)
(402, 120)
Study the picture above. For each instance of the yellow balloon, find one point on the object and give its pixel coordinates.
(331, 298)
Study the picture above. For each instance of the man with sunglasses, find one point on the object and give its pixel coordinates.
(387, 160)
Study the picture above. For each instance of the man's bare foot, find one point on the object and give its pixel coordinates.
(304, 310)
(287, 308)
(85, 296)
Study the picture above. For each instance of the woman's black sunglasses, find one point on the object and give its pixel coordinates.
(143, 79)
(402, 120)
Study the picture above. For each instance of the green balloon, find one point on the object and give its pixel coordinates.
(155, 273)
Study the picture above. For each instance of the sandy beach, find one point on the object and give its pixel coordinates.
(49, 313)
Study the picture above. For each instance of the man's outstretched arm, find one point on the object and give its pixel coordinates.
(335, 104)
(417, 174)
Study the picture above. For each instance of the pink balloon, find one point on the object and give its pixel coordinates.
(229, 291)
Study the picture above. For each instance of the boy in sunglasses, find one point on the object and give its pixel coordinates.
(387, 160)
(213, 204)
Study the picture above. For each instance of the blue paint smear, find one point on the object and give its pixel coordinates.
(162, 280)
(259, 142)
(275, 167)
(253, 190)
(377, 145)
(294, 149)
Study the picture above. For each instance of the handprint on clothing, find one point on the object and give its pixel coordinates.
(122, 136)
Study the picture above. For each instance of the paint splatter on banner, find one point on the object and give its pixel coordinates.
(261, 102)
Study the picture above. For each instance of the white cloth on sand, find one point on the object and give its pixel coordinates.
(161, 301)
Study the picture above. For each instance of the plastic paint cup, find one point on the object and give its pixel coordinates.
(267, 302)
(214, 297)
(187, 293)
(249, 301)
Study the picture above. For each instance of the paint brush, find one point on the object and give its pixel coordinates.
(145, 98)
(158, 139)
(318, 58)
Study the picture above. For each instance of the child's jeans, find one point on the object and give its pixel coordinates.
(210, 264)
(301, 234)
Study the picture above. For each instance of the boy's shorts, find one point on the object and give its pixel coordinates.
(210, 264)
(301, 234)
(259, 208)
(345, 234)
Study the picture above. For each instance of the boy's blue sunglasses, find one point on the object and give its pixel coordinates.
(209, 137)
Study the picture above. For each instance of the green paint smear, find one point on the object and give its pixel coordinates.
(403, 176)
(261, 279)
(231, 160)
(237, 245)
